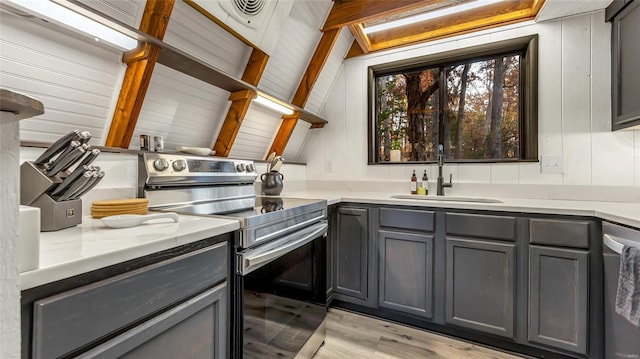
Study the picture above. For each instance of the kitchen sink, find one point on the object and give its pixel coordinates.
(445, 198)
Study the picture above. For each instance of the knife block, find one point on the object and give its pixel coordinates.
(54, 215)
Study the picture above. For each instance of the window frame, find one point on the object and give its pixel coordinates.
(527, 46)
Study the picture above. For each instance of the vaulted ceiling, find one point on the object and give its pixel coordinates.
(359, 15)
(308, 50)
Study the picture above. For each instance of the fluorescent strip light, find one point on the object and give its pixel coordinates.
(429, 15)
(273, 105)
(59, 14)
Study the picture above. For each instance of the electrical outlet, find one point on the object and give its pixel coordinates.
(552, 164)
(328, 166)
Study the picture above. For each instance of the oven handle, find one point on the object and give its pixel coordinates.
(252, 263)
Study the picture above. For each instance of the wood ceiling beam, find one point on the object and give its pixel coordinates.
(360, 37)
(319, 58)
(491, 16)
(285, 130)
(140, 63)
(349, 12)
(240, 102)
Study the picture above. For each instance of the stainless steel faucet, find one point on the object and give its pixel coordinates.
(441, 184)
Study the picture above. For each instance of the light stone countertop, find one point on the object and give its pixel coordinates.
(620, 212)
(91, 245)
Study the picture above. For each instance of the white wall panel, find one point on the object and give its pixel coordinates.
(574, 81)
(576, 97)
(311, 12)
(329, 72)
(127, 11)
(290, 58)
(74, 79)
(258, 129)
(182, 109)
(298, 137)
(192, 32)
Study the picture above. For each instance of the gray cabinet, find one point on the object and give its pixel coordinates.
(194, 329)
(405, 281)
(67, 323)
(558, 298)
(480, 286)
(355, 271)
(625, 51)
(330, 253)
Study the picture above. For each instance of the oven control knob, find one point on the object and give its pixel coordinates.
(240, 167)
(250, 167)
(160, 164)
(179, 165)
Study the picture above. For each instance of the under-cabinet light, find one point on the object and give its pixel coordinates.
(429, 15)
(50, 11)
(273, 105)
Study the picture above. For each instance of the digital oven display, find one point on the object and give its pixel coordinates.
(210, 166)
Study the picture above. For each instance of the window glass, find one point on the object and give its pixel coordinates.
(474, 105)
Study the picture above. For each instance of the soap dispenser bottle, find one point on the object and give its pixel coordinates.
(425, 182)
(414, 183)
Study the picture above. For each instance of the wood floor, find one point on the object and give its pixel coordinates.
(355, 336)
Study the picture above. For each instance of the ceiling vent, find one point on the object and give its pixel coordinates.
(250, 12)
(258, 21)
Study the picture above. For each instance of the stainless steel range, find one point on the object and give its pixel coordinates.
(278, 262)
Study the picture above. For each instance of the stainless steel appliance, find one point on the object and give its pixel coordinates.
(278, 291)
(622, 340)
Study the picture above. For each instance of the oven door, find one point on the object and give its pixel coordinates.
(283, 295)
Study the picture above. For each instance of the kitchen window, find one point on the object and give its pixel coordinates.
(479, 102)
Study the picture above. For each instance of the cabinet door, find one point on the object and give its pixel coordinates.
(81, 317)
(352, 248)
(196, 328)
(330, 253)
(480, 285)
(406, 272)
(558, 297)
(625, 58)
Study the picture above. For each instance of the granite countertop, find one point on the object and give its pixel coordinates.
(91, 245)
(619, 212)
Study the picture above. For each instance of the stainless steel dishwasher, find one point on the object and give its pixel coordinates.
(622, 340)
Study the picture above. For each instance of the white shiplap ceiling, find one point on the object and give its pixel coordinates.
(79, 82)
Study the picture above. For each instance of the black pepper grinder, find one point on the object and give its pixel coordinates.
(414, 183)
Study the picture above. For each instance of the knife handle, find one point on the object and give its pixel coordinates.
(73, 145)
(57, 146)
(90, 185)
(76, 186)
(66, 162)
(77, 173)
(88, 159)
(85, 136)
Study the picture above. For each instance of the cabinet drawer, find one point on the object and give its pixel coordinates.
(407, 219)
(70, 320)
(480, 225)
(563, 233)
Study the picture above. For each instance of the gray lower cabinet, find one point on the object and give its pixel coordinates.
(353, 246)
(330, 253)
(193, 329)
(405, 281)
(166, 297)
(480, 285)
(558, 298)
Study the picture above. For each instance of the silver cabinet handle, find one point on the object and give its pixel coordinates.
(251, 263)
(614, 243)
